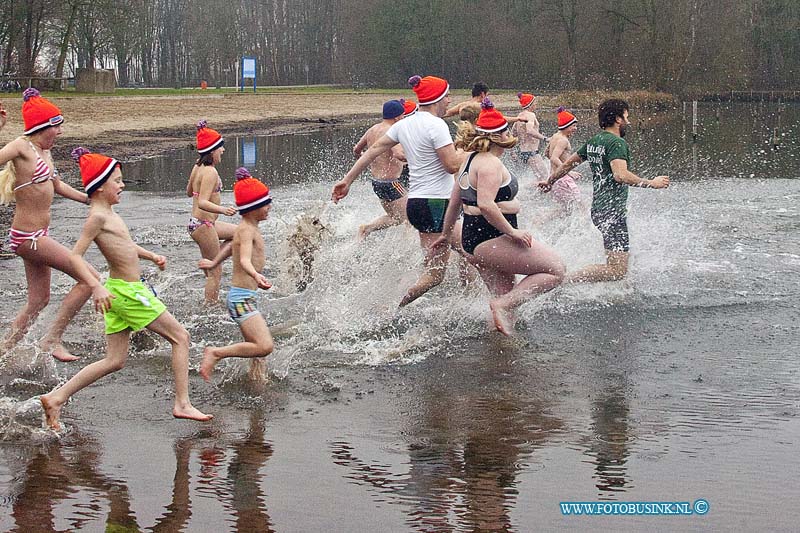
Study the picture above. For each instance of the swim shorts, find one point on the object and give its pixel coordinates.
(388, 191)
(525, 156)
(613, 227)
(134, 307)
(242, 304)
(427, 214)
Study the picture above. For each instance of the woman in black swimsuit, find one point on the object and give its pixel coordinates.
(487, 191)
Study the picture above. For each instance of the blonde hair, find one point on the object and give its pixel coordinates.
(8, 176)
(470, 140)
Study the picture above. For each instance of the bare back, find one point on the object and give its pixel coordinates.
(247, 234)
(205, 184)
(384, 167)
(526, 130)
(558, 150)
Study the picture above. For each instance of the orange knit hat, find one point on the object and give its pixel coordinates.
(429, 89)
(208, 140)
(525, 99)
(490, 120)
(565, 118)
(409, 107)
(95, 168)
(38, 113)
(248, 192)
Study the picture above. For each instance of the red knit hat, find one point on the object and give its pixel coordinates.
(525, 99)
(208, 140)
(248, 192)
(95, 168)
(409, 107)
(490, 120)
(429, 89)
(38, 113)
(565, 118)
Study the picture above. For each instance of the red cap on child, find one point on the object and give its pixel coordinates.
(208, 140)
(248, 192)
(95, 168)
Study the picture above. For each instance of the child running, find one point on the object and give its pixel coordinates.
(133, 306)
(254, 202)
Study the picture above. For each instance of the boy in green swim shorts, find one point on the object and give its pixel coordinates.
(254, 202)
(133, 305)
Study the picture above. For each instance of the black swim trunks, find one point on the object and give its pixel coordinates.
(427, 214)
(613, 226)
(525, 156)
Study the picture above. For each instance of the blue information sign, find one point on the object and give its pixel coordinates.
(248, 72)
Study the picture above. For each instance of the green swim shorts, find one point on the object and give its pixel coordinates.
(134, 307)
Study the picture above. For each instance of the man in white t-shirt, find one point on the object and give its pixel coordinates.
(432, 161)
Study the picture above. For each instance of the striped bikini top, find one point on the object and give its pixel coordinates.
(41, 172)
(218, 189)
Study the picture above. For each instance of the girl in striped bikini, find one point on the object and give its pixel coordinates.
(30, 179)
(204, 187)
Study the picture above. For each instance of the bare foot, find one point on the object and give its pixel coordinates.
(502, 319)
(52, 412)
(208, 362)
(190, 413)
(60, 352)
(408, 298)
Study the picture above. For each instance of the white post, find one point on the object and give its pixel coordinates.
(694, 120)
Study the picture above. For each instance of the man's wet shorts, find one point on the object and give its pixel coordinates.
(242, 304)
(427, 214)
(613, 227)
(389, 191)
(525, 156)
(134, 306)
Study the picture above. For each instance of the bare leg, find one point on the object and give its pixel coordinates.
(208, 241)
(49, 253)
(435, 268)
(395, 214)
(116, 355)
(169, 328)
(615, 269)
(257, 343)
(540, 264)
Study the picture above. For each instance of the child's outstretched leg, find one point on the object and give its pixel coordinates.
(258, 343)
(116, 355)
(169, 328)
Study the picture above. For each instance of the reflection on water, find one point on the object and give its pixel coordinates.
(684, 373)
(469, 437)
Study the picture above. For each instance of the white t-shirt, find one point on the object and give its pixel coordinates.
(421, 135)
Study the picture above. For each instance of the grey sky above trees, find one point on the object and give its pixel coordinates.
(680, 46)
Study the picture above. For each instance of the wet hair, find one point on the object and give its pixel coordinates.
(609, 110)
(479, 88)
(471, 140)
(470, 112)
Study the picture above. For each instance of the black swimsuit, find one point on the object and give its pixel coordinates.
(476, 229)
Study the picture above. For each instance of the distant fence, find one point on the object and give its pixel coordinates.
(53, 84)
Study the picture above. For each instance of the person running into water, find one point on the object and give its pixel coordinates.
(387, 172)
(132, 306)
(204, 187)
(565, 191)
(527, 131)
(432, 160)
(254, 202)
(608, 155)
(31, 180)
(479, 92)
(487, 191)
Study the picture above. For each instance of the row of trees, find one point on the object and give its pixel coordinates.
(685, 46)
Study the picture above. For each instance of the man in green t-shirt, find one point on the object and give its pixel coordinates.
(608, 156)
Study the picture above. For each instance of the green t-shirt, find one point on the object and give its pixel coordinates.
(599, 151)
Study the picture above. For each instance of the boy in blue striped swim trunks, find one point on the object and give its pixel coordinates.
(254, 202)
(131, 305)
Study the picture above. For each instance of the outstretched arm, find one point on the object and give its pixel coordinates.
(159, 260)
(246, 260)
(342, 188)
(573, 161)
(67, 191)
(622, 175)
(225, 251)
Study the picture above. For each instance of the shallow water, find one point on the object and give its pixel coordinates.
(677, 384)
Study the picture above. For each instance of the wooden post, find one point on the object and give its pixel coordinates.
(694, 120)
